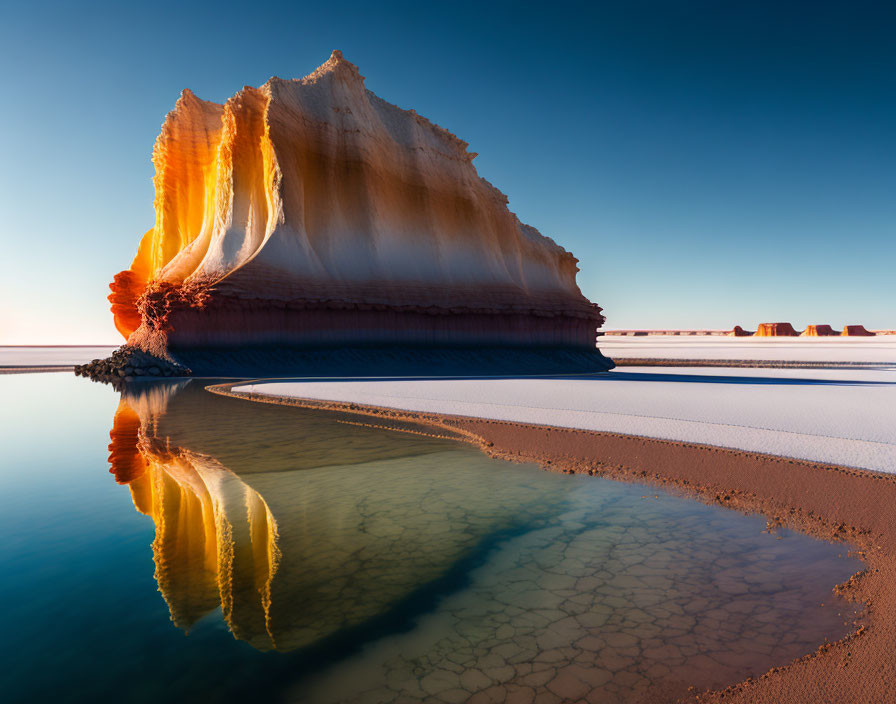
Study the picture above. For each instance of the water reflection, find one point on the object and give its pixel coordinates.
(310, 524)
(396, 566)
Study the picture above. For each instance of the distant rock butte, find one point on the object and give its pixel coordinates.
(819, 331)
(776, 330)
(765, 330)
(311, 211)
(857, 331)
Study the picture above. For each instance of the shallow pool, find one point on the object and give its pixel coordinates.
(247, 550)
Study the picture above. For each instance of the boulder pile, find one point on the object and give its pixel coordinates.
(128, 363)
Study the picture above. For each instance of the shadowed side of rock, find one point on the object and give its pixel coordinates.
(857, 331)
(129, 364)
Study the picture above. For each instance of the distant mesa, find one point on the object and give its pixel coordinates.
(764, 330)
(311, 212)
(776, 330)
(819, 331)
(857, 331)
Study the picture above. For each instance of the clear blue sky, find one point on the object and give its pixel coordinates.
(710, 163)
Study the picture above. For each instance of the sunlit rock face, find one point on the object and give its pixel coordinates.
(776, 330)
(857, 331)
(819, 331)
(311, 211)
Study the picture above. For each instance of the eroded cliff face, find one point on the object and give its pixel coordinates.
(312, 211)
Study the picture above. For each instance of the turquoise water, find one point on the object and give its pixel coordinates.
(243, 550)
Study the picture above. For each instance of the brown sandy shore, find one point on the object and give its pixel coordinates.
(827, 501)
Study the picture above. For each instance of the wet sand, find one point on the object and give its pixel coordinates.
(827, 501)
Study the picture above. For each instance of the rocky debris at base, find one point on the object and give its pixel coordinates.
(128, 363)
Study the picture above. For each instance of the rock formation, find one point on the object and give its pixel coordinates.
(776, 330)
(738, 331)
(819, 331)
(311, 212)
(857, 331)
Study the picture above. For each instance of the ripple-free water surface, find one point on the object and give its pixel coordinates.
(284, 554)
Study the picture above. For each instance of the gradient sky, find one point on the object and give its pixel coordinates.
(709, 163)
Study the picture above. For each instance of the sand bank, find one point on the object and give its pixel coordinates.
(842, 417)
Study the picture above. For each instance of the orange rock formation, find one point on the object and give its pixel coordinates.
(857, 331)
(313, 212)
(776, 330)
(818, 331)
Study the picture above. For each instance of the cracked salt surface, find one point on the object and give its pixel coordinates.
(619, 596)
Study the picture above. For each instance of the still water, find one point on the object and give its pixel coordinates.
(241, 550)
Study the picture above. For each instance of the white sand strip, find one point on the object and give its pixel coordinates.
(880, 349)
(845, 417)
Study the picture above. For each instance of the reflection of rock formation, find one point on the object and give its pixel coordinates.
(215, 545)
(819, 331)
(313, 212)
(775, 330)
(296, 525)
(857, 331)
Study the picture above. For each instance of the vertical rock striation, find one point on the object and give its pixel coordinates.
(312, 212)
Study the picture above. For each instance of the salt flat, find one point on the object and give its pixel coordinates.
(878, 349)
(841, 416)
(49, 356)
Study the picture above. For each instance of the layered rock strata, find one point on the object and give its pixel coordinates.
(311, 212)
